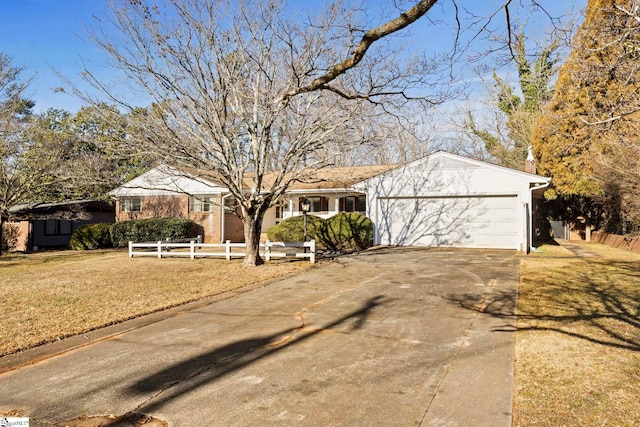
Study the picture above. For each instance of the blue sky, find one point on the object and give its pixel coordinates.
(41, 34)
(47, 34)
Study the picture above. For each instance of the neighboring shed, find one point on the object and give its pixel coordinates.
(453, 201)
(50, 225)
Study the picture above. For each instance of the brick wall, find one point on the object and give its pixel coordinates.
(177, 206)
(617, 241)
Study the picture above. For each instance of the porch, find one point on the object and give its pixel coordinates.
(321, 204)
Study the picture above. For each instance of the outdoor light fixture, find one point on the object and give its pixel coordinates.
(305, 206)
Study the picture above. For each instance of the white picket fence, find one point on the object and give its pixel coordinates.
(228, 250)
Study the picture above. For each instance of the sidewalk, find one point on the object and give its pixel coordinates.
(577, 249)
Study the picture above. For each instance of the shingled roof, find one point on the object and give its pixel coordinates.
(327, 177)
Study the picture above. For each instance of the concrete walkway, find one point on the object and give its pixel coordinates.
(401, 337)
(577, 248)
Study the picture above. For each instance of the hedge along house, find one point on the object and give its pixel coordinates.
(439, 200)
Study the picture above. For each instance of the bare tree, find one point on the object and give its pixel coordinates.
(252, 97)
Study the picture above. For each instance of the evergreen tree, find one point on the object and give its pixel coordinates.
(509, 146)
(587, 138)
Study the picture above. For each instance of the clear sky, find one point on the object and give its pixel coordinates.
(47, 35)
(44, 35)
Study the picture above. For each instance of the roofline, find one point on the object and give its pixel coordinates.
(324, 190)
(174, 172)
(483, 163)
(480, 163)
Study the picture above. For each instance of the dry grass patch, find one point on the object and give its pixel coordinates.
(49, 296)
(578, 340)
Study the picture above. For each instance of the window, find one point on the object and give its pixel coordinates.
(281, 208)
(353, 204)
(231, 204)
(57, 227)
(130, 204)
(202, 203)
(318, 204)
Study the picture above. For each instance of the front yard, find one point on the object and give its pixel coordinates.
(578, 339)
(48, 296)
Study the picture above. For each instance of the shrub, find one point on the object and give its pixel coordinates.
(152, 230)
(292, 229)
(347, 232)
(91, 236)
(344, 232)
(10, 234)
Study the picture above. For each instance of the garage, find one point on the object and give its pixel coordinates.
(470, 222)
(446, 200)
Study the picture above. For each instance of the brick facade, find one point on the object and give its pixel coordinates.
(178, 206)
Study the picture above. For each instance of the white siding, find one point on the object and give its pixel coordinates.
(448, 200)
(472, 222)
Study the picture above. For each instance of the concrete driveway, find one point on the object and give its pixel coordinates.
(389, 337)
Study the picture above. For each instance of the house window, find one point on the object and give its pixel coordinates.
(318, 203)
(231, 204)
(202, 203)
(281, 208)
(353, 204)
(130, 204)
(57, 227)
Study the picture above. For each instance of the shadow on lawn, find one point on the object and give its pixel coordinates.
(595, 300)
(186, 376)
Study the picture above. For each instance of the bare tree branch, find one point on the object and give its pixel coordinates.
(359, 51)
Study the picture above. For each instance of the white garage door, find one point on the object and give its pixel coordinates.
(468, 222)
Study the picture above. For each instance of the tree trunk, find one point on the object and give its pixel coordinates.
(252, 229)
(1, 233)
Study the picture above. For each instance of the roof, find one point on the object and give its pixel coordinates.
(455, 161)
(70, 208)
(164, 179)
(167, 180)
(326, 178)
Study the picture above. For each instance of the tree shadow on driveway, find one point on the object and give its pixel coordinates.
(184, 377)
(587, 305)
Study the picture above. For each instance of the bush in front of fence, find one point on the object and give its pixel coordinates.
(346, 232)
(292, 229)
(91, 236)
(152, 230)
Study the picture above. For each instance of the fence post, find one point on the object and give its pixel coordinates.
(130, 249)
(192, 249)
(159, 248)
(312, 256)
(228, 250)
(267, 250)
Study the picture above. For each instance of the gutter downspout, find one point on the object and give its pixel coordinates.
(222, 205)
(532, 189)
